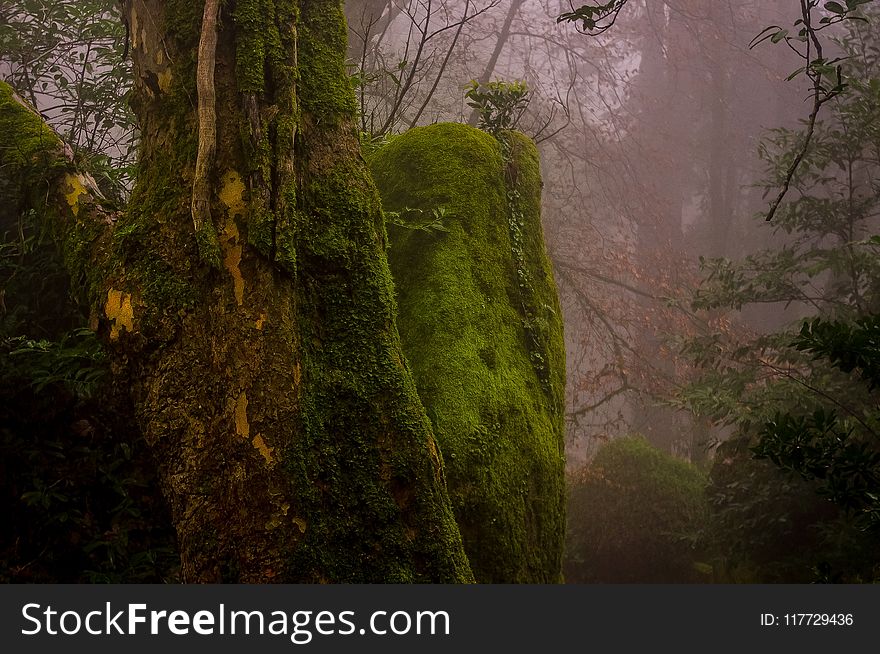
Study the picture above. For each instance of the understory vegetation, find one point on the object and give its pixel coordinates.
(80, 502)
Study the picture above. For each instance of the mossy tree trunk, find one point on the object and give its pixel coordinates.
(246, 300)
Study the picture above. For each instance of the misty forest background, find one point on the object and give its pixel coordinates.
(721, 420)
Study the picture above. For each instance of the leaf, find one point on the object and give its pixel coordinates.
(763, 35)
(792, 76)
(776, 38)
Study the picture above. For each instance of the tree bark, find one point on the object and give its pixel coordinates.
(260, 345)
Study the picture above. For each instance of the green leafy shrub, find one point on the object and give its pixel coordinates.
(79, 496)
(500, 104)
(635, 516)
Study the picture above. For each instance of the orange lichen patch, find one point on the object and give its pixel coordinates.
(77, 188)
(260, 321)
(231, 242)
(301, 524)
(242, 427)
(232, 193)
(264, 449)
(119, 312)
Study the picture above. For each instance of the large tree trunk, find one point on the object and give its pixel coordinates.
(246, 298)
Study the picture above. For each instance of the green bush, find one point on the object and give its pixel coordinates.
(635, 515)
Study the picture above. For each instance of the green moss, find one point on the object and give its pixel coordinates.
(158, 259)
(209, 246)
(464, 324)
(250, 51)
(266, 78)
(32, 160)
(363, 466)
(365, 499)
(28, 143)
(324, 85)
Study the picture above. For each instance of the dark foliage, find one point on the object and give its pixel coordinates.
(769, 525)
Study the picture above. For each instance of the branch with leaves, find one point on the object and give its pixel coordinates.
(825, 75)
(593, 19)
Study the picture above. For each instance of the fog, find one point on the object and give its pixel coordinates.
(649, 139)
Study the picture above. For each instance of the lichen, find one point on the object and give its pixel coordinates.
(76, 189)
(119, 311)
(232, 191)
(264, 450)
(232, 250)
(463, 323)
(242, 426)
(165, 78)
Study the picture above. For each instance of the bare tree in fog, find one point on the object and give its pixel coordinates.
(401, 53)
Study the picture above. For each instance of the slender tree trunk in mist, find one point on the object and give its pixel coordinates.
(664, 121)
(246, 301)
(720, 168)
(503, 37)
(368, 19)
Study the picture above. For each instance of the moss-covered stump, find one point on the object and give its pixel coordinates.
(481, 328)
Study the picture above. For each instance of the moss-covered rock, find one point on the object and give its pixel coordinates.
(482, 331)
(634, 514)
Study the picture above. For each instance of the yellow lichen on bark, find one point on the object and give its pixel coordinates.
(119, 312)
(133, 25)
(231, 243)
(76, 189)
(264, 449)
(232, 196)
(242, 427)
(232, 193)
(165, 81)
